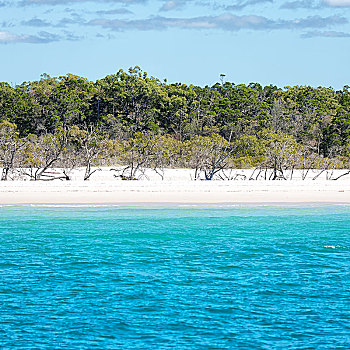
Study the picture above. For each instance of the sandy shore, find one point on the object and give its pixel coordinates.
(201, 192)
(177, 186)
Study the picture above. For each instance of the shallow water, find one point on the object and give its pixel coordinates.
(175, 278)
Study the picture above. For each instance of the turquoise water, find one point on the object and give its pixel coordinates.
(175, 278)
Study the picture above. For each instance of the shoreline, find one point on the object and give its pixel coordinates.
(185, 206)
(131, 193)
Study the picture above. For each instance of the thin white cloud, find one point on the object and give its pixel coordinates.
(172, 5)
(307, 4)
(7, 37)
(72, 36)
(241, 4)
(64, 2)
(337, 3)
(41, 38)
(226, 22)
(314, 4)
(325, 34)
(36, 22)
(121, 11)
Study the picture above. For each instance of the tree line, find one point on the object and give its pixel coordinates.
(139, 122)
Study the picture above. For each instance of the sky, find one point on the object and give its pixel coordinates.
(279, 42)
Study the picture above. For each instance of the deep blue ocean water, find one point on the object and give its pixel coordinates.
(175, 278)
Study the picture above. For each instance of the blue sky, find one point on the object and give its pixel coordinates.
(281, 42)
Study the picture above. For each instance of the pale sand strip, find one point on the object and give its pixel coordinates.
(201, 192)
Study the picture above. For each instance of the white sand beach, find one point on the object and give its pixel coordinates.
(176, 187)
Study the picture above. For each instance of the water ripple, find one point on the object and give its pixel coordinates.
(174, 278)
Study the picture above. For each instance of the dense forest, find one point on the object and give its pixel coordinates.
(135, 121)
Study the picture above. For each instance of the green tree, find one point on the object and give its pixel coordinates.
(208, 154)
(10, 144)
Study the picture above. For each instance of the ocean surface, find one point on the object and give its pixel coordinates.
(175, 278)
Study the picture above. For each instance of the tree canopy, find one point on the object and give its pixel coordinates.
(188, 125)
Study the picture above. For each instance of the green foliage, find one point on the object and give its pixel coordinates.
(142, 121)
(133, 100)
(208, 154)
(10, 143)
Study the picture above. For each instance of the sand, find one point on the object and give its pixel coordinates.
(176, 187)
